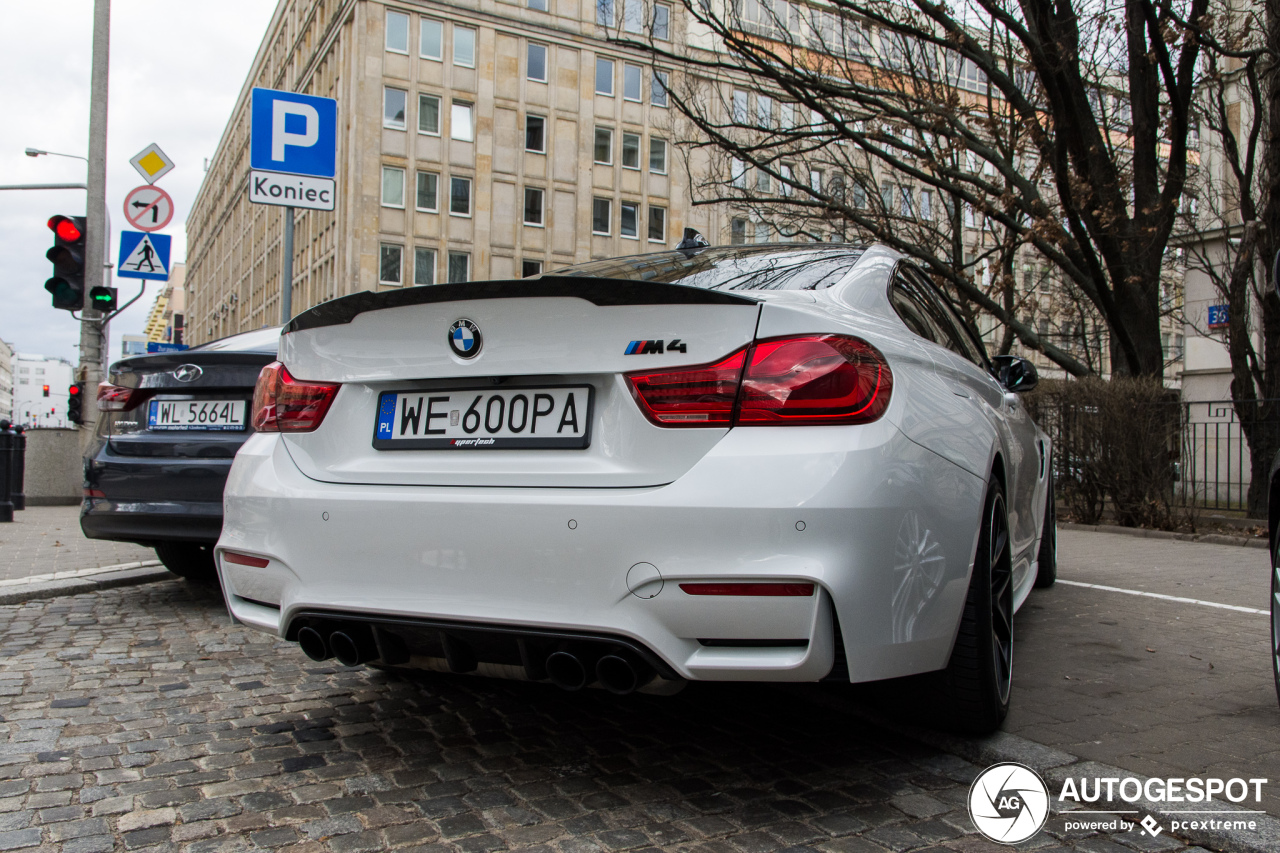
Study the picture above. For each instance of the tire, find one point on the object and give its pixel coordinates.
(1047, 559)
(978, 678)
(191, 561)
(1275, 618)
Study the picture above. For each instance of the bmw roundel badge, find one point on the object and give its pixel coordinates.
(465, 339)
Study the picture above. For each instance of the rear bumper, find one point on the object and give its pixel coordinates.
(851, 512)
(146, 522)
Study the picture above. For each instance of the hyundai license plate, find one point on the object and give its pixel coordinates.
(196, 414)
(484, 418)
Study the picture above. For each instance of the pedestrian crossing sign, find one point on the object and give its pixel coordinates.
(144, 255)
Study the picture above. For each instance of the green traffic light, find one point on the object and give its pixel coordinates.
(103, 298)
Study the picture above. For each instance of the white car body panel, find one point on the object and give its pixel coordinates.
(881, 517)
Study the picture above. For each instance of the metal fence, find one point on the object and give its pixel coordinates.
(1204, 442)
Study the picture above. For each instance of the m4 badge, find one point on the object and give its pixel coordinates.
(655, 347)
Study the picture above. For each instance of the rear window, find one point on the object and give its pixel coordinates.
(765, 268)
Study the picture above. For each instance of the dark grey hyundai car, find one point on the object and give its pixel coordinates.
(169, 425)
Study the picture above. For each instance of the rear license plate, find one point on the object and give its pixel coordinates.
(484, 418)
(196, 414)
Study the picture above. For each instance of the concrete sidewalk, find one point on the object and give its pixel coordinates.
(43, 540)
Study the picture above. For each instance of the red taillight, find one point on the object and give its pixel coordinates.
(802, 380)
(751, 589)
(690, 396)
(245, 560)
(116, 398)
(284, 404)
(815, 379)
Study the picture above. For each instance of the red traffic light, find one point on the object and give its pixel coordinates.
(46, 390)
(73, 390)
(65, 228)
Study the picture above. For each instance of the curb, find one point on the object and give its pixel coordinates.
(84, 580)
(1206, 538)
(1056, 765)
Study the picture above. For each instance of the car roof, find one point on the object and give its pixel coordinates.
(266, 340)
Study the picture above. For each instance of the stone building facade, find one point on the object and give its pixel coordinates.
(477, 140)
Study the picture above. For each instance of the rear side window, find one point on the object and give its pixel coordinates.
(914, 314)
(955, 335)
(734, 268)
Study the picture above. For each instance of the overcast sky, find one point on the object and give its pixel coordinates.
(176, 69)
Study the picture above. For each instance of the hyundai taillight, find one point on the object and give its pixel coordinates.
(117, 398)
(284, 404)
(800, 380)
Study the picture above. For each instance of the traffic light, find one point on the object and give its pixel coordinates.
(67, 254)
(46, 390)
(75, 395)
(102, 298)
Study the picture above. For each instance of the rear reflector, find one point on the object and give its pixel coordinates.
(117, 398)
(801, 380)
(94, 493)
(284, 404)
(757, 589)
(244, 560)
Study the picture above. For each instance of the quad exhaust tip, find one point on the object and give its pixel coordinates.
(353, 646)
(313, 644)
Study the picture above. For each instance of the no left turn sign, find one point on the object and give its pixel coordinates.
(148, 208)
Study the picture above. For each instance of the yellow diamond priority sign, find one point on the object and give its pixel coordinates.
(151, 163)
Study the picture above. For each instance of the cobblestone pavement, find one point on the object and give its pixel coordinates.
(139, 719)
(1161, 688)
(45, 539)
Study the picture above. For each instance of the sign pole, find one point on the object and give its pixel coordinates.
(98, 240)
(286, 283)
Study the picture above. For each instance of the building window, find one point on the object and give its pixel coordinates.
(787, 112)
(658, 89)
(604, 76)
(460, 122)
(428, 192)
(739, 106)
(393, 106)
(389, 264)
(431, 39)
(784, 185)
(460, 196)
(629, 220)
(762, 233)
(662, 22)
(530, 268)
(657, 156)
(763, 183)
(764, 111)
(926, 204)
(397, 32)
(429, 115)
(535, 134)
(886, 197)
(815, 180)
(392, 187)
(464, 47)
(737, 232)
(540, 5)
(631, 151)
(532, 206)
(424, 266)
(537, 64)
(631, 82)
(657, 224)
(601, 210)
(633, 16)
(604, 146)
(606, 13)
(738, 173)
(459, 267)
(904, 201)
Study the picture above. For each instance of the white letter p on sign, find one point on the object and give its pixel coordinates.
(280, 137)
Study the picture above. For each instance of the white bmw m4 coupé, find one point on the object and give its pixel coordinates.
(777, 463)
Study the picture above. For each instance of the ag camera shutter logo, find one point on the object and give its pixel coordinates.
(1009, 803)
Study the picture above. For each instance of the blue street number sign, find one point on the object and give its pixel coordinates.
(144, 256)
(296, 134)
(1218, 317)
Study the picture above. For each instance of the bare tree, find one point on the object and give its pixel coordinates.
(1229, 224)
(1063, 124)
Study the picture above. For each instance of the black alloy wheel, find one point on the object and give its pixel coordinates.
(976, 684)
(1275, 617)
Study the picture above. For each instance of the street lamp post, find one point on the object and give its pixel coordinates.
(37, 152)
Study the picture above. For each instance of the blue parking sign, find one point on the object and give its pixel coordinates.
(292, 133)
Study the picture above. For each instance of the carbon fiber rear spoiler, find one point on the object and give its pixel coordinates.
(598, 291)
